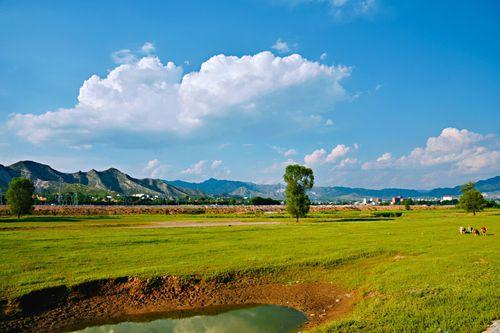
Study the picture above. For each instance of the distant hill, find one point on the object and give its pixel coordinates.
(489, 186)
(111, 180)
(323, 193)
(233, 188)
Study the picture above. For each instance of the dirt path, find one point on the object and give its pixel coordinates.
(183, 224)
(107, 301)
(494, 327)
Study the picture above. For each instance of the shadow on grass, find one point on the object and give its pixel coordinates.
(44, 219)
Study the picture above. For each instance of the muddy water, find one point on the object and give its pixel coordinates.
(260, 318)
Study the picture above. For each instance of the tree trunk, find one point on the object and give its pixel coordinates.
(474, 212)
(297, 219)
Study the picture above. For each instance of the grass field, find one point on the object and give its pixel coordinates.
(413, 273)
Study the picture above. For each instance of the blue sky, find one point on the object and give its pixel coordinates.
(372, 93)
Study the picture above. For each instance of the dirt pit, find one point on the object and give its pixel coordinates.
(61, 309)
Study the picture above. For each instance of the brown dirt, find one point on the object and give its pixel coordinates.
(59, 309)
(494, 327)
(191, 209)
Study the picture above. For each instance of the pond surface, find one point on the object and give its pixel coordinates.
(260, 318)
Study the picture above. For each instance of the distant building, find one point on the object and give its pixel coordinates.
(142, 196)
(447, 198)
(396, 200)
(36, 196)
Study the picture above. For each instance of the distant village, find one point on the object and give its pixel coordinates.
(400, 200)
(150, 199)
(155, 199)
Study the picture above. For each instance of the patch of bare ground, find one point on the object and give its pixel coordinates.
(60, 309)
(494, 327)
(183, 224)
(398, 257)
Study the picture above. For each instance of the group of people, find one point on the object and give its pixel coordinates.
(474, 231)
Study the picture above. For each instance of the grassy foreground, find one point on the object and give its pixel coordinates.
(414, 273)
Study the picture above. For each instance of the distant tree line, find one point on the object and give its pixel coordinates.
(260, 201)
(82, 198)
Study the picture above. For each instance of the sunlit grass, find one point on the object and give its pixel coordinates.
(413, 273)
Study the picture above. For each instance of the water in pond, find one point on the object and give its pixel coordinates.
(260, 318)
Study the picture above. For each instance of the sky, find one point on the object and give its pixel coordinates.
(368, 93)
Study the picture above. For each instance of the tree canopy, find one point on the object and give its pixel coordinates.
(299, 179)
(19, 196)
(471, 199)
(260, 201)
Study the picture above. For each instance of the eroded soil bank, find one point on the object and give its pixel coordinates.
(59, 309)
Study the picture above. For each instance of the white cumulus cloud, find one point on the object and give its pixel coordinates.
(123, 56)
(216, 164)
(195, 169)
(148, 48)
(204, 169)
(320, 156)
(143, 99)
(316, 157)
(127, 56)
(346, 162)
(281, 46)
(155, 169)
(284, 151)
(290, 152)
(337, 152)
(462, 151)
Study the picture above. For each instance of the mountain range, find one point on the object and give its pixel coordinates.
(111, 180)
(327, 193)
(114, 181)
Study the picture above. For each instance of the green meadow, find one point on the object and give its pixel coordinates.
(413, 273)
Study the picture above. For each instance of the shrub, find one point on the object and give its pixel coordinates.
(387, 214)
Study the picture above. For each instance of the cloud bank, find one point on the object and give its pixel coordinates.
(461, 151)
(453, 154)
(145, 98)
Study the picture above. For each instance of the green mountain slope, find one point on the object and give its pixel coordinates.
(112, 180)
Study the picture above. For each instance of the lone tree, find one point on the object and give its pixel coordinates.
(19, 196)
(407, 203)
(299, 179)
(471, 199)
